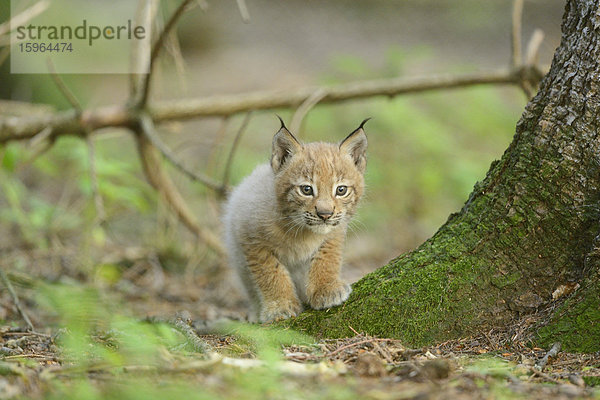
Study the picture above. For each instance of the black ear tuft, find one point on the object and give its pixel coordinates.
(362, 124)
(355, 144)
(282, 123)
(284, 146)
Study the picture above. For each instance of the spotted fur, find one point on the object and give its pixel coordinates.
(285, 240)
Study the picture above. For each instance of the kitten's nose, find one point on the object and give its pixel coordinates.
(324, 214)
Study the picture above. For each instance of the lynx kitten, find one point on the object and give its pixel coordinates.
(285, 224)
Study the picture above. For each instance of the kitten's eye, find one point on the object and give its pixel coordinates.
(341, 190)
(306, 190)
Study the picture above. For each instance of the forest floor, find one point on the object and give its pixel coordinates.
(240, 363)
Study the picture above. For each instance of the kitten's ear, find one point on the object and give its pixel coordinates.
(284, 146)
(355, 145)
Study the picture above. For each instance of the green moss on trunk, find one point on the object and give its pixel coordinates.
(576, 323)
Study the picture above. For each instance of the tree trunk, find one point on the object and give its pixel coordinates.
(529, 228)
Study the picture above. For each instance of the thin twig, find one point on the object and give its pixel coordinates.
(146, 11)
(40, 137)
(15, 299)
(174, 49)
(304, 108)
(64, 89)
(98, 203)
(218, 139)
(533, 47)
(197, 343)
(236, 140)
(25, 16)
(67, 93)
(517, 14)
(542, 375)
(370, 340)
(161, 181)
(243, 10)
(203, 4)
(552, 353)
(158, 45)
(149, 131)
(38, 151)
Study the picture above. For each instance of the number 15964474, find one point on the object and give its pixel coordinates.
(34, 47)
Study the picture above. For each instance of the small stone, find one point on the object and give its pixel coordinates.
(368, 364)
(436, 369)
(576, 380)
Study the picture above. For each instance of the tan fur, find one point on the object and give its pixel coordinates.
(286, 245)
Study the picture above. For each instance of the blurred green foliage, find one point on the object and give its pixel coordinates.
(108, 355)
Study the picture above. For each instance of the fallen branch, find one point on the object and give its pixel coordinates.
(192, 337)
(540, 374)
(67, 122)
(552, 353)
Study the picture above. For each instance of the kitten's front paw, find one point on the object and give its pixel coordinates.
(328, 296)
(278, 310)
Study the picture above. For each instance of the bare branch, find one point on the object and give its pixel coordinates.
(158, 45)
(191, 336)
(234, 146)
(174, 49)
(228, 105)
(67, 93)
(159, 179)
(203, 4)
(98, 203)
(146, 11)
(148, 129)
(218, 139)
(24, 109)
(517, 14)
(533, 47)
(243, 10)
(38, 151)
(527, 90)
(67, 122)
(25, 16)
(40, 144)
(40, 137)
(551, 353)
(304, 108)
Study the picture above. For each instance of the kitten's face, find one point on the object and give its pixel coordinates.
(318, 185)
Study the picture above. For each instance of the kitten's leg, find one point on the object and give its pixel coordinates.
(274, 285)
(325, 289)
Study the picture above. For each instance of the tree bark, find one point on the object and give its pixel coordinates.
(529, 228)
